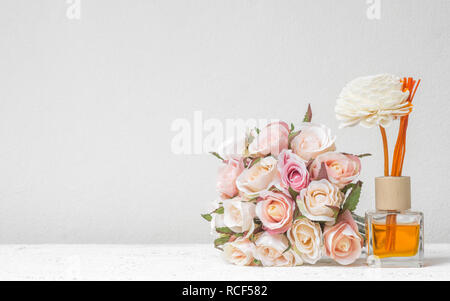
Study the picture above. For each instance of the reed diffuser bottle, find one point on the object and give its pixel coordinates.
(394, 233)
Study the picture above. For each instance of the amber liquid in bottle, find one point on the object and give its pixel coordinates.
(393, 240)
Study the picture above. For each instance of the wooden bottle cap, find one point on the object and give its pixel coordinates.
(393, 193)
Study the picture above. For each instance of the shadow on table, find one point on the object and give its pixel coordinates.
(432, 261)
(328, 262)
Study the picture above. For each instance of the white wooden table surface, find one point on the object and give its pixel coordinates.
(186, 262)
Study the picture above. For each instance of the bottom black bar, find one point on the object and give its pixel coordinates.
(218, 290)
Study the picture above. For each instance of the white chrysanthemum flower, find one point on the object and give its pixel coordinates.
(372, 101)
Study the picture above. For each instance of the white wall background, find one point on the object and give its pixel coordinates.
(86, 105)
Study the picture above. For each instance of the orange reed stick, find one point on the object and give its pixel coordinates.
(391, 222)
(398, 143)
(406, 118)
(386, 151)
(398, 158)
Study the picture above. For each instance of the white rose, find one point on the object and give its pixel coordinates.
(239, 252)
(313, 140)
(306, 239)
(271, 251)
(238, 215)
(320, 201)
(261, 176)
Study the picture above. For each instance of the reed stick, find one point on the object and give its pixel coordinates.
(385, 150)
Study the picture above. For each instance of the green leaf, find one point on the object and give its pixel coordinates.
(254, 162)
(246, 162)
(347, 187)
(298, 216)
(364, 155)
(224, 230)
(253, 199)
(208, 217)
(292, 127)
(219, 210)
(293, 193)
(308, 114)
(289, 246)
(274, 189)
(353, 198)
(215, 154)
(221, 240)
(257, 262)
(257, 130)
(292, 135)
(250, 139)
(359, 156)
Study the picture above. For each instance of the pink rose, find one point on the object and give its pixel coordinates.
(271, 140)
(275, 210)
(293, 171)
(342, 241)
(228, 173)
(340, 169)
(313, 140)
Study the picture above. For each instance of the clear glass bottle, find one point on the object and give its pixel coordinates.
(394, 233)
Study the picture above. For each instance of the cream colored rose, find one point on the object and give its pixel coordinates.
(306, 239)
(320, 201)
(271, 251)
(261, 176)
(313, 140)
(238, 215)
(239, 252)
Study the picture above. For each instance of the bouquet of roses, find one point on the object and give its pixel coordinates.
(286, 197)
